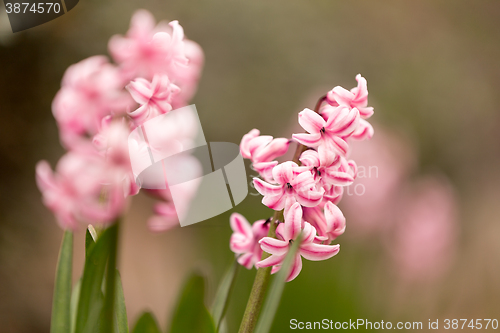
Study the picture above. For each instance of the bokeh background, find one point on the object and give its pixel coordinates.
(422, 242)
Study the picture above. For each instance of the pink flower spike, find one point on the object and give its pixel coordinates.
(356, 98)
(245, 239)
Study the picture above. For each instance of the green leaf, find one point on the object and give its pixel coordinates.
(61, 320)
(120, 310)
(222, 296)
(146, 324)
(107, 323)
(90, 239)
(75, 296)
(274, 297)
(90, 302)
(191, 315)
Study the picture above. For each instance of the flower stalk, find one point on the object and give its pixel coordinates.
(263, 276)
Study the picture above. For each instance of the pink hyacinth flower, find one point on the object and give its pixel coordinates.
(147, 50)
(426, 236)
(356, 98)
(112, 143)
(294, 184)
(154, 97)
(329, 223)
(76, 191)
(91, 90)
(287, 233)
(187, 77)
(245, 239)
(262, 150)
(328, 135)
(327, 175)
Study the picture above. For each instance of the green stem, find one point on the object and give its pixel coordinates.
(263, 275)
(108, 321)
(260, 284)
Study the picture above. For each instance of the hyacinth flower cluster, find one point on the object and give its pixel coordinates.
(307, 189)
(156, 70)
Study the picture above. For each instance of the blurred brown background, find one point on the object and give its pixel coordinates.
(433, 72)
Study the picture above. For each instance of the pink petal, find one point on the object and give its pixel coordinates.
(360, 92)
(246, 260)
(293, 222)
(311, 121)
(295, 269)
(244, 144)
(274, 246)
(271, 261)
(258, 143)
(309, 198)
(365, 112)
(340, 95)
(283, 173)
(303, 181)
(327, 152)
(260, 229)
(266, 189)
(274, 149)
(239, 224)
(140, 89)
(310, 158)
(317, 252)
(338, 178)
(364, 130)
(308, 233)
(309, 140)
(276, 202)
(280, 231)
(343, 122)
(316, 218)
(265, 169)
(334, 218)
(44, 176)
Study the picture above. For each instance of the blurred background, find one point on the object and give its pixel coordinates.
(423, 229)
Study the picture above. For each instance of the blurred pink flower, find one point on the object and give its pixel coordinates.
(112, 143)
(328, 135)
(245, 239)
(425, 239)
(147, 50)
(187, 77)
(356, 98)
(91, 90)
(83, 189)
(287, 233)
(154, 97)
(384, 165)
